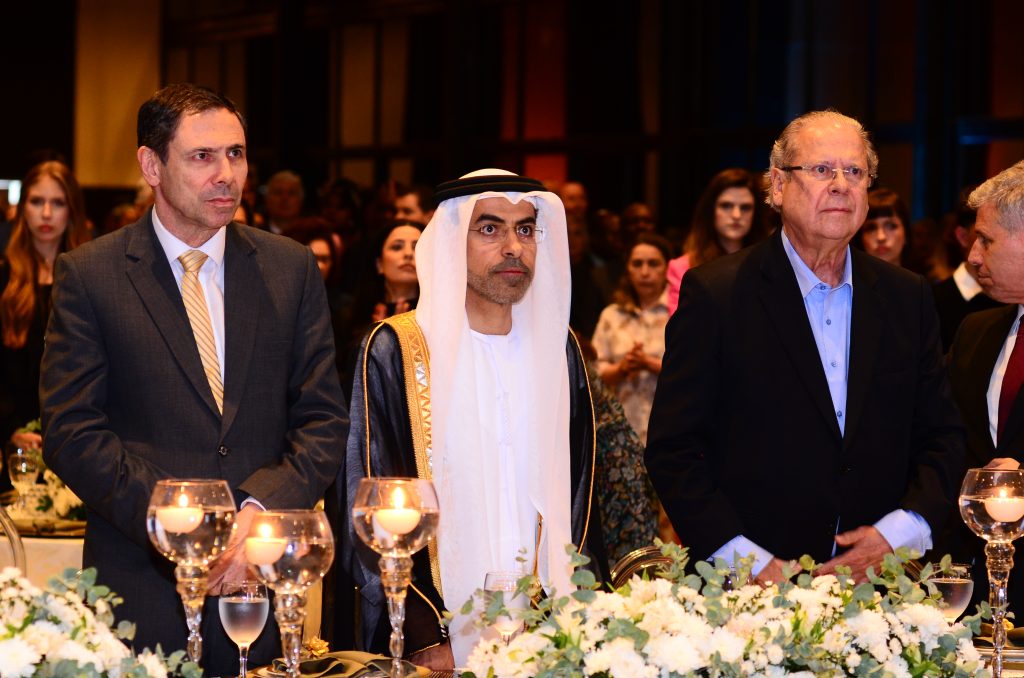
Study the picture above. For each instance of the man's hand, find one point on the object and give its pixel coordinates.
(1003, 464)
(437, 658)
(867, 547)
(772, 573)
(28, 440)
(232, 564)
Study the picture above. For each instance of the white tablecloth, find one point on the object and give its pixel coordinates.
(48, 557)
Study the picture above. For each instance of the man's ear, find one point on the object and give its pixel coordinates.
(777, 178)
(149, 164)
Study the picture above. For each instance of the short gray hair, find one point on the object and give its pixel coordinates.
(784, 149)
(1006, 192)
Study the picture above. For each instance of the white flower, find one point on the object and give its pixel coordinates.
(69, 649)
(728, 645)
(154, 667)
(774, 654)
(44, 636)
(620, 660)
(675, 653)
(17, 658)
(897, 667)
(853, 660)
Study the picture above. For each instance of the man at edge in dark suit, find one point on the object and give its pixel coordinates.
(803, 406)
(187, 346)
(986, 361)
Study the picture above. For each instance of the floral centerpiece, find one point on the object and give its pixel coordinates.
(680, 624)
(65, 630)
(56, 499)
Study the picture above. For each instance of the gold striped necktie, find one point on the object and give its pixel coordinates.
(199, 317)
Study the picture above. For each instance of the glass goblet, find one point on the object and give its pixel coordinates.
(243, 608)
(992, 505)
(506, 584)
(291, 551)
(23, 467)
(395, 517)
(955, 585)
(190, 522)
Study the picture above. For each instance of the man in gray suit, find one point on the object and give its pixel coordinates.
(158, 367)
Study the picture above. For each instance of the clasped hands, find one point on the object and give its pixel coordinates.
(636, 360)
(232, 565)
(866, 547)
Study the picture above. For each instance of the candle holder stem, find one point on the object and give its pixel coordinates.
(395, 577)
(999, 560)
(192, 589)
(290, 613)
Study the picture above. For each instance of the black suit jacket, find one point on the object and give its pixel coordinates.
(743, 436)
(971, 361)
(126, 401)
(953, 308)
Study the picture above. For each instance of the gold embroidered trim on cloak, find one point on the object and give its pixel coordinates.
(416, 363)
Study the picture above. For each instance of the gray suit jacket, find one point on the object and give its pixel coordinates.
(125, 401)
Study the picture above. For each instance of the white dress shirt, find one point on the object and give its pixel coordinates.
(995, 384)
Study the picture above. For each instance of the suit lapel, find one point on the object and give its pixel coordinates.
(243, 284)
(150, 274)
(780, 295)
(865, 335)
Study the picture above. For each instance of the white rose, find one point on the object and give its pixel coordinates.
(154, 667)
(17, 658)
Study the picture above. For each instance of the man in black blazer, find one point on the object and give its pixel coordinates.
(129, 397)
(986, 361)
(803, 406)
(961, 293)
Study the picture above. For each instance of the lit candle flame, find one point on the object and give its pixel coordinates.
(183, 500)
(266, 530)
(398, 498)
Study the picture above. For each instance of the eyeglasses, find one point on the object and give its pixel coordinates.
(854, 175)
(493, 234)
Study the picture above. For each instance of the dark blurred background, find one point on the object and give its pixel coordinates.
(639, 100)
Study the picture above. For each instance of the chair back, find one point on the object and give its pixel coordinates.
(12, 551)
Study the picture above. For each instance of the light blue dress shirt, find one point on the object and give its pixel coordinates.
(829, 310)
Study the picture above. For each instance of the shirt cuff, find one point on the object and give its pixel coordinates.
(739, 547)
(252, 500)
(906, 528)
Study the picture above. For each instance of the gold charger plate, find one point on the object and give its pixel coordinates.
(49, 527)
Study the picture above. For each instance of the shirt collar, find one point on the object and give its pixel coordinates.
(174, 248)
(965, 282)
(805, 277)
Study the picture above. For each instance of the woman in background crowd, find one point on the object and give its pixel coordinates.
(630, 335)
(886, 230)
(389, 287)
(50, 219)
(728, 217)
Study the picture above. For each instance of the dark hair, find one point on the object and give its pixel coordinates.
(372, 291)
(160, 116)
(307, 229)
(18, 299)
(424, 195)
(625, 294)
(885, 202)
(702, 244)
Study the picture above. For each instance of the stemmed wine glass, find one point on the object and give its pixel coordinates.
(506, 584)
(291, 550)
(190, 522)
(243, 607)
(955, 585)
(992, 505)
(396, 517)
(23, 468)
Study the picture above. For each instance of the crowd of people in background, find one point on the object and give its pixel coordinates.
(626, 266)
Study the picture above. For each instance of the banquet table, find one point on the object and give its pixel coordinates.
(47, 557)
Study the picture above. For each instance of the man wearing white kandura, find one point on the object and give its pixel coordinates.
(483, 389)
